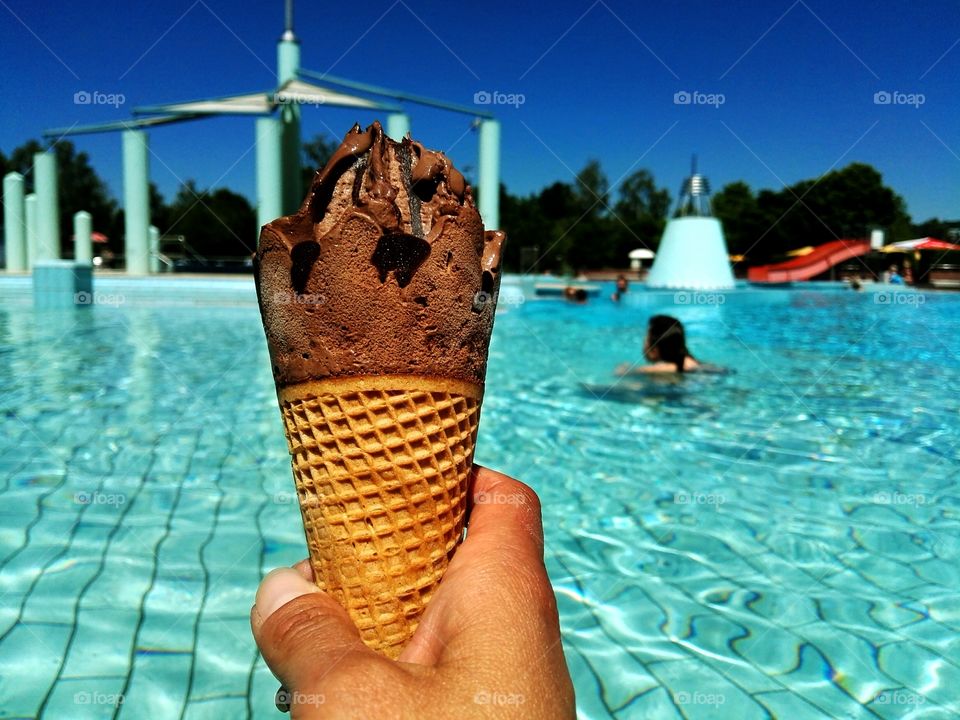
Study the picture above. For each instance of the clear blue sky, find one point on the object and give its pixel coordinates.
(798, 81)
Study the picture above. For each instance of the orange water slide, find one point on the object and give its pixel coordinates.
(822, 258)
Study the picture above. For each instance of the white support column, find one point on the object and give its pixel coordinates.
(136, 201)
(488, 172)
(14, 223)
(269, 173)
(48, 205)
(398, 125)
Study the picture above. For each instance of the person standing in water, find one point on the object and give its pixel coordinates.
(665, 347)
(622, 286)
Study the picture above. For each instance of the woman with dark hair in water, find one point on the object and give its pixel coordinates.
(665, 346)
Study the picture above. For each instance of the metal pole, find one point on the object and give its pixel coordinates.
(269, 175)
(488, 180)
(48, 205)
(398, 125)
(30, 213)
(82, 242)
(136, 201)
(14, 223)
(288, 65)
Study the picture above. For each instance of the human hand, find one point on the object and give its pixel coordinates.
(488, 645)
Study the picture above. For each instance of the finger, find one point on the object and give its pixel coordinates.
(302, 632)
(502, 509)
(496, 585)
(304, 568)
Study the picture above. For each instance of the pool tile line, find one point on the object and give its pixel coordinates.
(187, 691)
(50, 560)
(598, 622)
(178, 494)
(27, 530)
(79, 598)
(756, 637)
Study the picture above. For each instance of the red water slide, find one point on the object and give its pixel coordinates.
(822, 258)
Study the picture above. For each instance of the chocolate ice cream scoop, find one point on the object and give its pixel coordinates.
(385, 269)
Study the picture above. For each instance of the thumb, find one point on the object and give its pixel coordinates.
(302, 633)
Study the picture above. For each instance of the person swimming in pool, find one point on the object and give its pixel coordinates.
(665, 347)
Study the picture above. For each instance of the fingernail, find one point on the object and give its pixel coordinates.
(279, 587)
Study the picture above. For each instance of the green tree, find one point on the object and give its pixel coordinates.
(640, 215)
(743, 223)
(215, 223)
(316, 153)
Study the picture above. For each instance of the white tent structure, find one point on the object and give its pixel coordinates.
(693, 252)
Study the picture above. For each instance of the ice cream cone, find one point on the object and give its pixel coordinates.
(381, 466)
(378, 297)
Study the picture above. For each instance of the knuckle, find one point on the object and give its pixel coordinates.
(300, 618)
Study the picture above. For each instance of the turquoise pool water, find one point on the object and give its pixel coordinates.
(780, 542)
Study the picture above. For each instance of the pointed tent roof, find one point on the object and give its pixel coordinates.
(263, 103)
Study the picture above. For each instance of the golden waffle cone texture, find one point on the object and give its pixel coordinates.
(381, 465)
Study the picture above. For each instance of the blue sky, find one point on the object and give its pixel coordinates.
(797, 80)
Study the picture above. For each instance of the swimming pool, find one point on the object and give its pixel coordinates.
(780, 542)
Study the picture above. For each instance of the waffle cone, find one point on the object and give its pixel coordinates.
(381, 466)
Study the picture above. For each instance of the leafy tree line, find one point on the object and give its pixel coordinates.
(581, 224)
